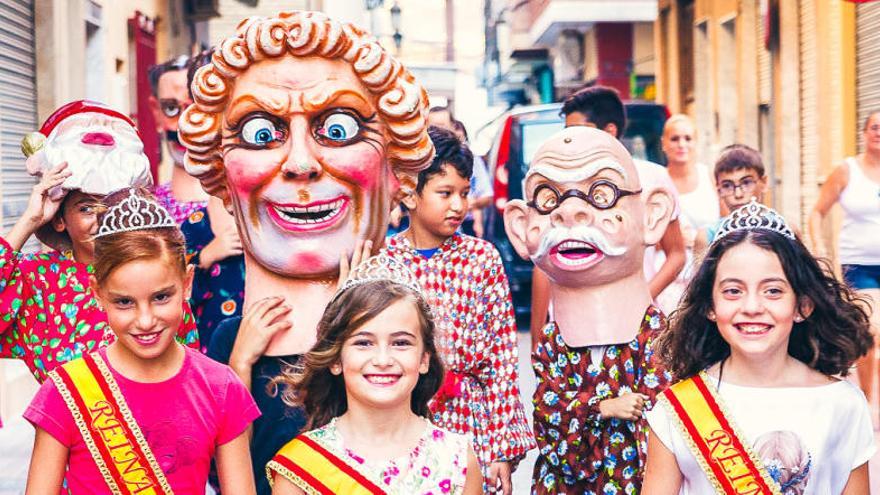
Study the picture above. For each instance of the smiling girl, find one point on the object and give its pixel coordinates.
(758, 343)
(144, 413)
(365, 387)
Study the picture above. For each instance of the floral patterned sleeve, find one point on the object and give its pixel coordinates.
(651, 376)
(12, 288)
(510, 434)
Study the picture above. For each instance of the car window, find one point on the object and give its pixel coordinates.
(534, 135)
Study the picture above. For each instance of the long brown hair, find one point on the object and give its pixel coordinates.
(114, 250)
(830, 340)
(311, 385)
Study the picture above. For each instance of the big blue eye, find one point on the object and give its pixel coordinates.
(339, 127)
(259, 131)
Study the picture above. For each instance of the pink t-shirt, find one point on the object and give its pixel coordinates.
(183, 419)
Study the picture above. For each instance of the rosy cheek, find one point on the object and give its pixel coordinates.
(359, 164)
(247, 170)
(307, 259)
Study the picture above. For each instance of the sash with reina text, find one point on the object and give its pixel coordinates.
(316, 470)
(731, 466)
(108, 428)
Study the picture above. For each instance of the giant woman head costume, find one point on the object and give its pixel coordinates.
(309, 131)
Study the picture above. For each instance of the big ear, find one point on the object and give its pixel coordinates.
(658, 213)
(516, 219)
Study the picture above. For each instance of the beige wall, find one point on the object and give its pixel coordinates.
(62, 48)
(643, 49)
(812, 96)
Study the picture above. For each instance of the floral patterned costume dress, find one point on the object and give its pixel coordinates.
(180, 210)
(48, 315)
(465, 285)
(436, 465)
(217, 292)
(580, 451)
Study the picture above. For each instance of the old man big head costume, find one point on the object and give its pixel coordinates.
(307, 129)
(585, 223)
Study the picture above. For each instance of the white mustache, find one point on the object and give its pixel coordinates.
(582, 233)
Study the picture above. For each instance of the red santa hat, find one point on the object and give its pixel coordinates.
(76, 108)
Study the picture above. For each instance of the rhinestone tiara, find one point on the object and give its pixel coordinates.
(754, 216)
(134, 213)
(381, 267)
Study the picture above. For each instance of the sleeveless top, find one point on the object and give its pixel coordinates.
(860, 201)
(700, 207)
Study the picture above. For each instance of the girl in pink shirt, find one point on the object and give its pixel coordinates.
(145, 411)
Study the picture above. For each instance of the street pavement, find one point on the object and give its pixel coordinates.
(17, 436)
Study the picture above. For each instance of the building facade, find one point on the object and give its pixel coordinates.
(554, 47)
(793, 78)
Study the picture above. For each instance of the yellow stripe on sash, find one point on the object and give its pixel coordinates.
(729, 463)
(318, 471)
(108, 429)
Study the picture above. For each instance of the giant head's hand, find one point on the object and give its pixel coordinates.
(308, 130)
(584, 221)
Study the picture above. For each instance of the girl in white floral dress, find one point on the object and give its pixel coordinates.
(365, 387)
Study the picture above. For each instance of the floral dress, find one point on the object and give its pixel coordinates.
(217, 292)
(178, 209)
(465, 285)
(436, 465)
(48, 315)
(579, 450)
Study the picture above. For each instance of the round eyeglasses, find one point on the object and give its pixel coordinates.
(728, 187)
(602, 195)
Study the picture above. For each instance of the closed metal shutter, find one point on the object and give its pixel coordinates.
(867, 63)
(809, 107)
(18, 105)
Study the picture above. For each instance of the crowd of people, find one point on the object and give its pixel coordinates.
(249, 325)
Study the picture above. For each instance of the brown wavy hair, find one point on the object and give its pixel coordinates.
(401, 101)
(114, 250)
(830, 340)
(311, 385)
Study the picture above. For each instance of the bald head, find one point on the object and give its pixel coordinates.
(577, 153)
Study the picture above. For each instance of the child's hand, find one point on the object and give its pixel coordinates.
(224, 245)
(44, 201)
(498, 480)
(261, 322)
(362, 251)
(628, 406)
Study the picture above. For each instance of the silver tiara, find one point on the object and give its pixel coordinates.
(134, 213)
(381, 267)
(754, 216)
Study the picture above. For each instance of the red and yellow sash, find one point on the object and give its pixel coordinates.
(108, 428)
(731, 466)
(318, 471)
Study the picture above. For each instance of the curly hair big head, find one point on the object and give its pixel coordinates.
(402, 103)
(834, 336)
(312, 385)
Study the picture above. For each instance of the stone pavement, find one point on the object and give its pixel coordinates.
(16, 439)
